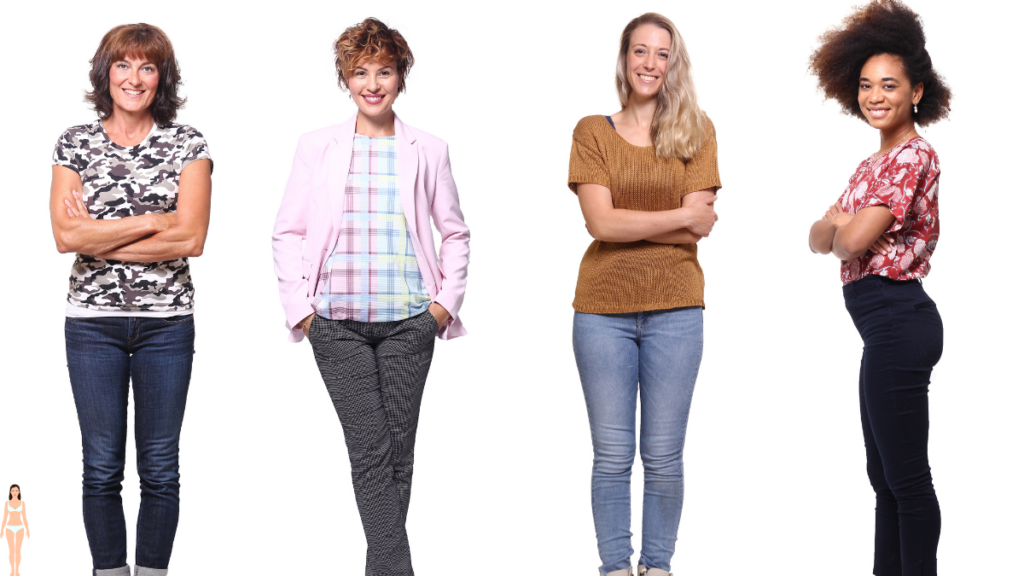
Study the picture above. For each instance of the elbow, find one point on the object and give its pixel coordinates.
(848, 248)
(195, 249)
(599, 231)
(63, 243)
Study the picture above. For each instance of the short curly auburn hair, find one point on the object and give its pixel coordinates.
(881, 27)
(371, 41)
(137, 41)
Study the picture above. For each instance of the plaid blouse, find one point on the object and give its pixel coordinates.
(372, 274)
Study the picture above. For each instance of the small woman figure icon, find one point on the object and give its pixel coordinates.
(15, 518)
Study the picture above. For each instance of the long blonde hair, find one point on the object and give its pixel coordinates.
(678, 126)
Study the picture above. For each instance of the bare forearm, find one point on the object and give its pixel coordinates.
(844, 244)
(618, 225)
(171, 244)
(821, 236)
(94, 237)
(682, 236)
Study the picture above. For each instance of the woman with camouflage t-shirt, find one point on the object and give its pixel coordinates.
(131, 197)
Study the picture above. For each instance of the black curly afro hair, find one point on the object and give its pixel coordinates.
(881, 27)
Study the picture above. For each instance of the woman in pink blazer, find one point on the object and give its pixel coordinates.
(359, 275)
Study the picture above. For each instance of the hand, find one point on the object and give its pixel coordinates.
(441, 315)
(841, 219)
(702, 216)
(833, 210)
(884, 244)
(76, 208)
(306, 323)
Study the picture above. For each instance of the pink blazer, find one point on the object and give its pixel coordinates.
(311, 212)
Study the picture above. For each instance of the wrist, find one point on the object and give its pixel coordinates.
(685, 218)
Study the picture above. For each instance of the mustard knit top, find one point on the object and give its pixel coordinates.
(638, 276)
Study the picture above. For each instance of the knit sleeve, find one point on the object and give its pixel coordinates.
(587, 164)
(702, 169)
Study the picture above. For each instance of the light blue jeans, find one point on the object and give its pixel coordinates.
(658, 352)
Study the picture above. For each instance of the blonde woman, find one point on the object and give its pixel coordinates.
(646, 178)
(15, 526)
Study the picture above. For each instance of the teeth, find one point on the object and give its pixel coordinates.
(646, 78)
(133, 92)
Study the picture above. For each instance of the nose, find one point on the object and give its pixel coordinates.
(134, 78)
(876, 95)
(373, 82)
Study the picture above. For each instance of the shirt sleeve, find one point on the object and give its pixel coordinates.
(196, 149)
(896, 186)
(702, 169)
(65, 153)
(587, 164)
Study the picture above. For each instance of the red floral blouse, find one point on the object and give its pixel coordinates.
(906, 180)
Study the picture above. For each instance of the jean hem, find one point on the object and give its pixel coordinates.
(122, 571)
(143, 571)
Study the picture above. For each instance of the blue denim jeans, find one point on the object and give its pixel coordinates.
(659, 353)
(155, 355)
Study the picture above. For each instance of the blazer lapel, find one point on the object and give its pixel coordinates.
(408, 164)
(339, 159)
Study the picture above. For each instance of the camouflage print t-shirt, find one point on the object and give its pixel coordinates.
(118, 182)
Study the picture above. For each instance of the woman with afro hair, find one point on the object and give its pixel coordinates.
(884, 228)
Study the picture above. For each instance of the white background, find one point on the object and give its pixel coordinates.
(775, 480)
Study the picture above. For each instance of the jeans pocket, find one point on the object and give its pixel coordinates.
(180, 319)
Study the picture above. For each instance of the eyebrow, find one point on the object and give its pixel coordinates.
(646, 46)
(886, 79)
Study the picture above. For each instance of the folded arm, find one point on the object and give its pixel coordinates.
(75, 231)
(850, 236)
(684, 235)
(187, 236)
(610, 224)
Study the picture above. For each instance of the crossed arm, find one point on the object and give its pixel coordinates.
(684, 225)
(850, 236)
(143, 238)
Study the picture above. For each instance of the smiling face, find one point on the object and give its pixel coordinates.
(133, 84)
(886, 95)
(374, 87)
(647, 60)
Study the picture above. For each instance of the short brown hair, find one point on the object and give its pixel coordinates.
(371, 41)
(137, 41)
(881, 27)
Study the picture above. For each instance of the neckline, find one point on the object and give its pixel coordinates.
(604, 120)
(109, 140)
(872, 161)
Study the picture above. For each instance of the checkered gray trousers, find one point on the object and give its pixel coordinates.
(375, 373)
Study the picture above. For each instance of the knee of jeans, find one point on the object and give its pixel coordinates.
(668, 465)
(611, 460)
(102, 477)
(918, 486)
(158, 464)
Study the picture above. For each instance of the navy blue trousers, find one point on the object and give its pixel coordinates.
(902, 334)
